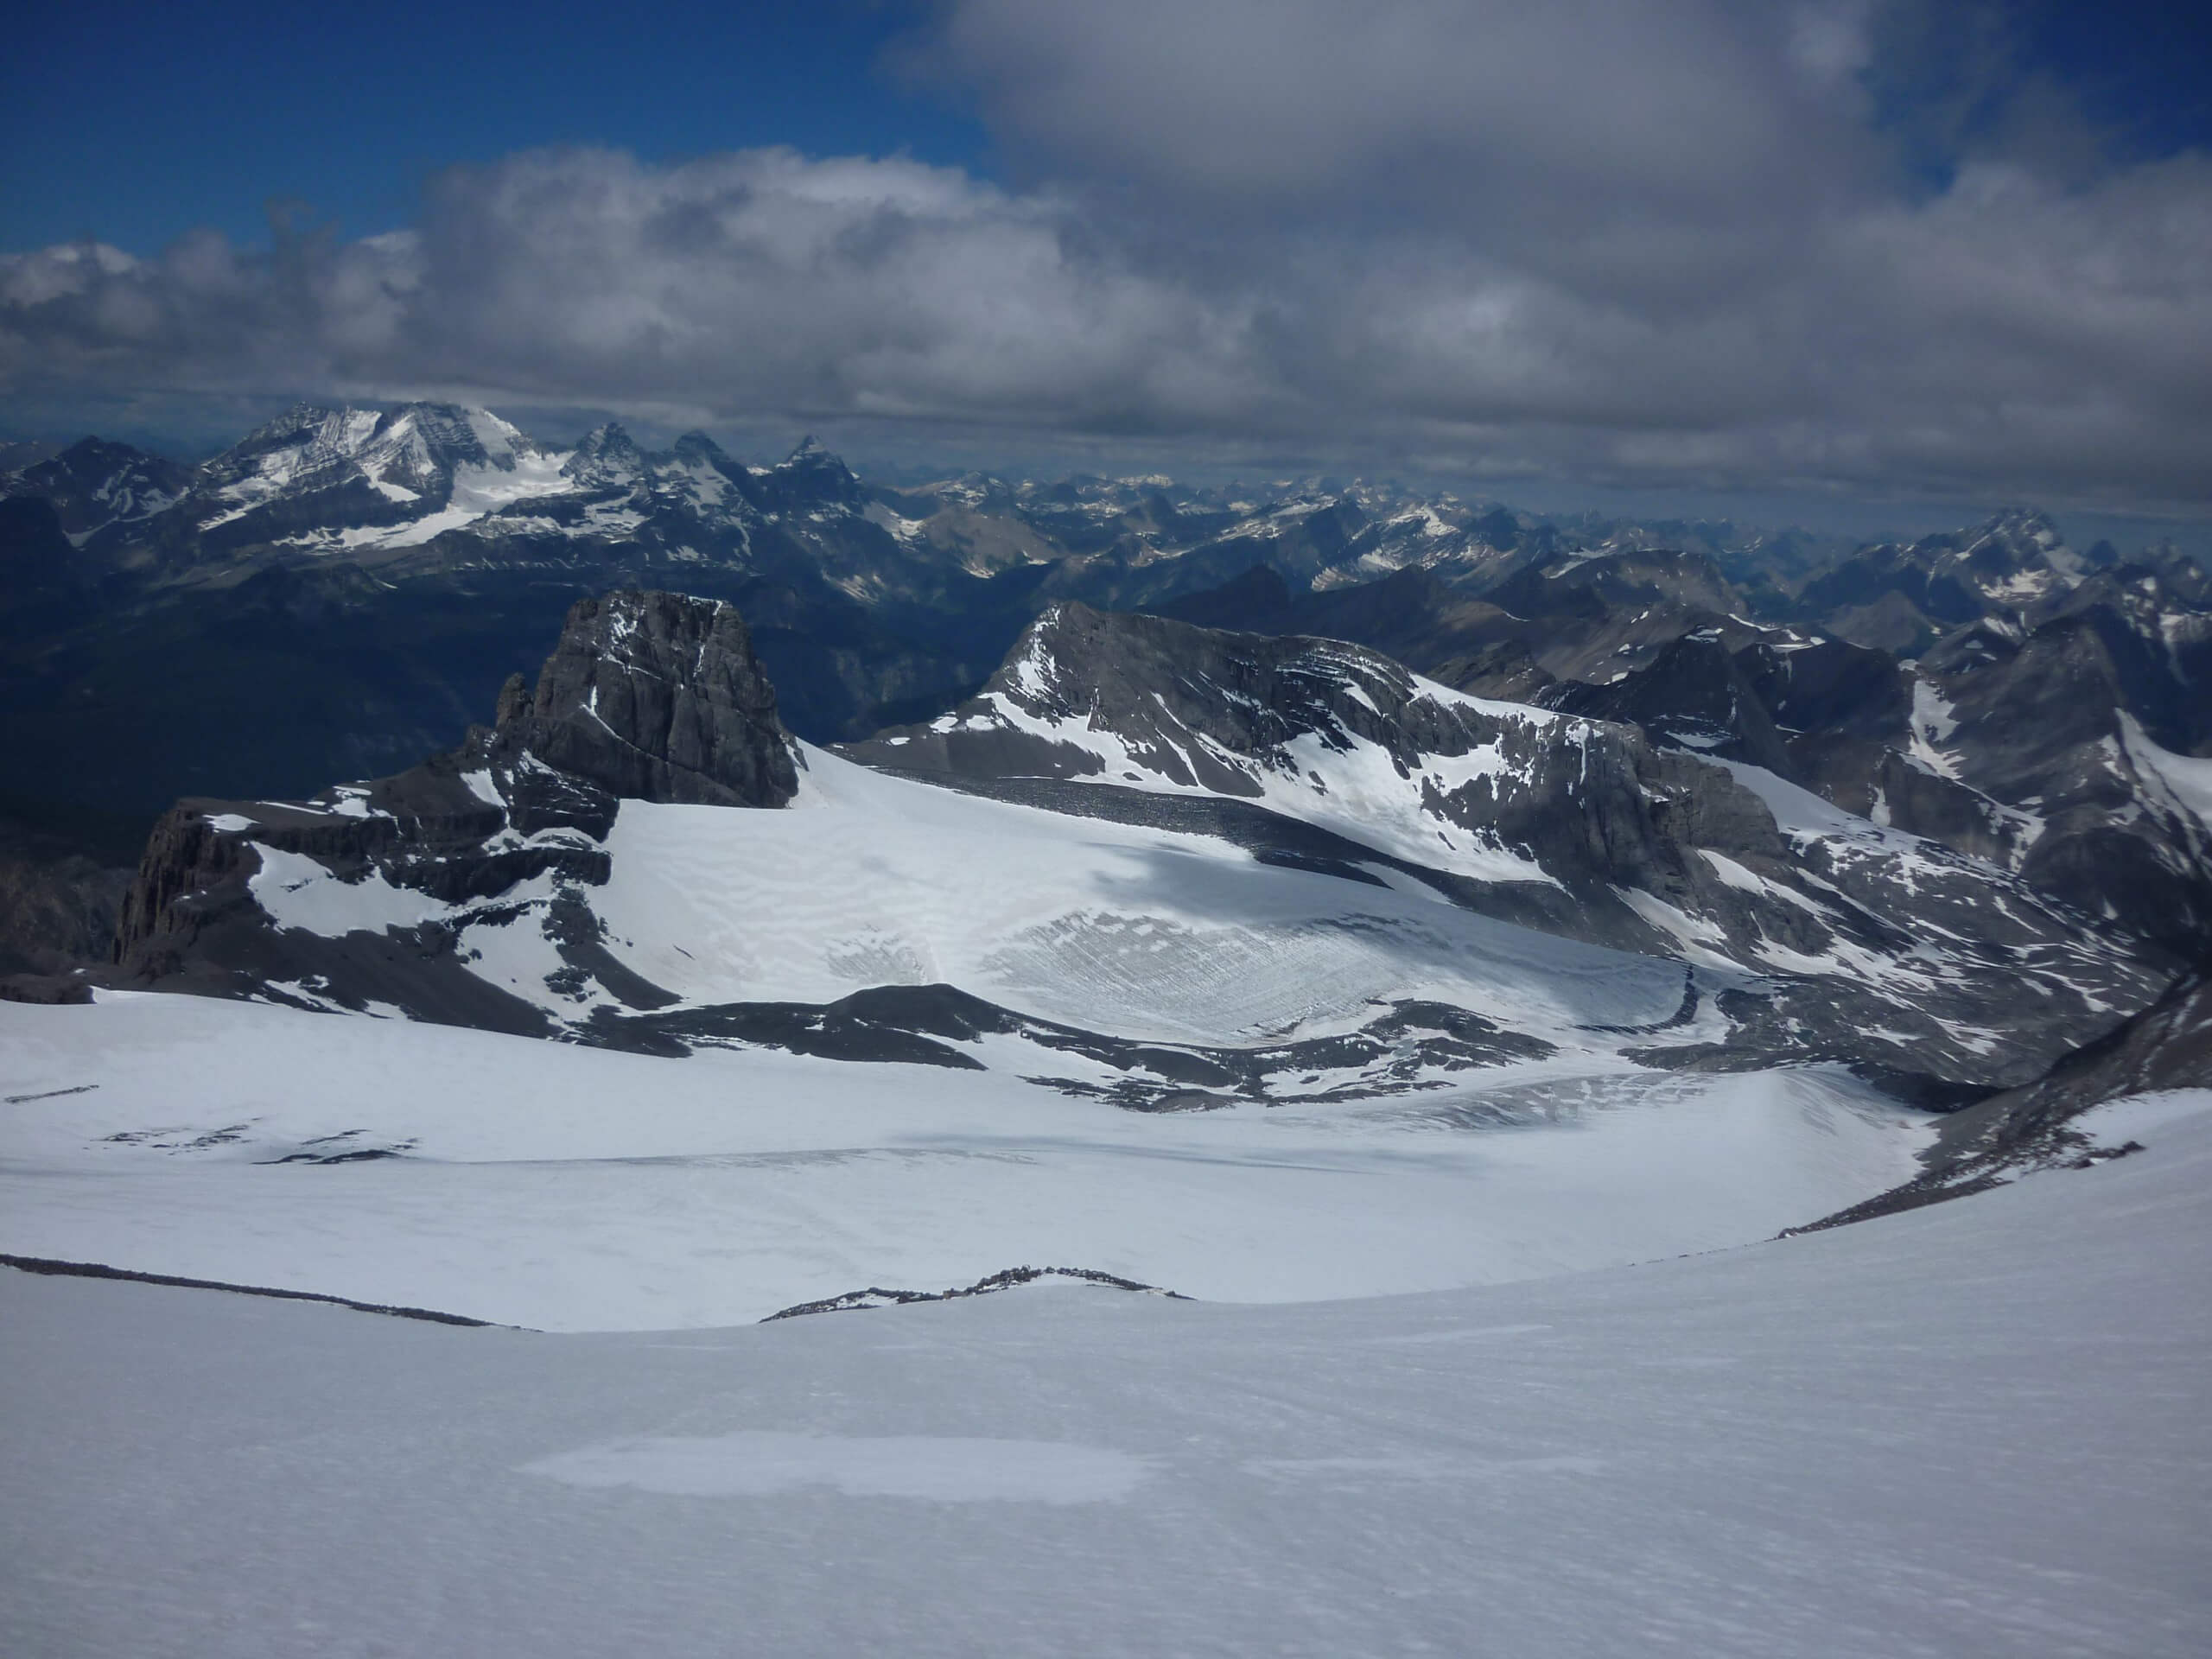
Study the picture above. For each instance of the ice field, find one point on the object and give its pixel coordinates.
(567, 1188)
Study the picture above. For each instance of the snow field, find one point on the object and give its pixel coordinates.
(1141, 933)
(1975, 1429)
(566, 1188)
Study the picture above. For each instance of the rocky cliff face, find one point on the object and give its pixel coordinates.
(647, 696)
(58, 905)
(658, 698)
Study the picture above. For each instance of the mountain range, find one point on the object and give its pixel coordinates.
(345, 590)
(885, 986)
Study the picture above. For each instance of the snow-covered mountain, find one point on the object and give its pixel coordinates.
(94, 484)
(2012, 570)
(329, 480)
(372, 484)
(1177, 868)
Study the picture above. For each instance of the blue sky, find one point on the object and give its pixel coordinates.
(135, 131)
(134, 127)
(1820, 249)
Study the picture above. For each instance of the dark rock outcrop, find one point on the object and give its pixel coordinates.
(2167, 1046)
(658, 698)
(1005, 1279)
(64, 876)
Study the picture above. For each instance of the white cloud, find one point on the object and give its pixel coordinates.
(1621, 241)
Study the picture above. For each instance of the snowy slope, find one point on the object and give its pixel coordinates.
(1846, 936)
(1124, 934)
(573, 1188)
(1976, 1429)
(1310, 874)
(1145, 932)
(1339, 780)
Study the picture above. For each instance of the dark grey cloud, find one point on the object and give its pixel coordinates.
(1638, 244)
(1570, 112)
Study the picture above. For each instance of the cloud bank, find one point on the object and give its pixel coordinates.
(1697, 242)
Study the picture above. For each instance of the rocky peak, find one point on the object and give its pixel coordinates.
(1324, 731)
(696, 449)
(2015, 559)
(91, 460)
(2021, 527)
(658, 697)
(95, 483)
(301, 417)
(2015, 567)
(811, 457)
(1146, 676)
(450, 434)
(608, 458)
(810, 477)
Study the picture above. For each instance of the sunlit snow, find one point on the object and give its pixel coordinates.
(1974, 1429)
(576, 1189)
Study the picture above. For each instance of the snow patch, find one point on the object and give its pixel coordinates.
(2186, 779)
(758, 1462)
(297, 892)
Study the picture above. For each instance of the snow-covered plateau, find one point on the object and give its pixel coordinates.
(1975, 1428)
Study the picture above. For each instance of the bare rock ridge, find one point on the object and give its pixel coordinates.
(1590, 803)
